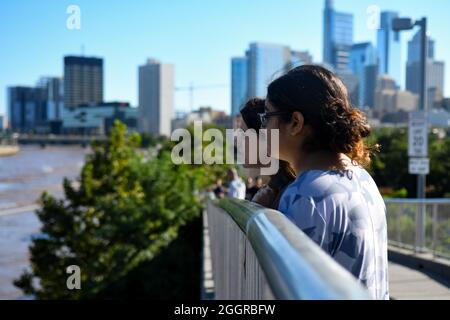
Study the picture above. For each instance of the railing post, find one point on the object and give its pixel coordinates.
(420, 227)
(399, 228)
(434, 227)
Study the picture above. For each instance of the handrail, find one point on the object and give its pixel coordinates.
(295, 267)
(418, 201)
(426, 231)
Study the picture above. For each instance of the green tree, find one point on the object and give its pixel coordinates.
(123, 217)
(439, 177)
(390, 166)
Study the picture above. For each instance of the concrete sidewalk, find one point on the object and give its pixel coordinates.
(410, 284)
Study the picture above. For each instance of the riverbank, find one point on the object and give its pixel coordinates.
(8, 150)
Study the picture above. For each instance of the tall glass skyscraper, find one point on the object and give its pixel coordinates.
(361, 56)
(388, 47)
(414, 48)
(435, 71)
(27, 108)
(337, 37)
(54, 88)
(238, 83)
(265, 63)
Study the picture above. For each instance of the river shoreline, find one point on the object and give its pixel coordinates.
(6, 151)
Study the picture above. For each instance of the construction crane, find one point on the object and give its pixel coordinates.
(191, 89)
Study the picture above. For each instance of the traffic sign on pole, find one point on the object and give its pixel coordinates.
(419, 166)
(418, 135)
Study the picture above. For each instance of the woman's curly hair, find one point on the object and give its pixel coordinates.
(323, 100)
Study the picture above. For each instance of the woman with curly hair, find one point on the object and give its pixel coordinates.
(333, 200)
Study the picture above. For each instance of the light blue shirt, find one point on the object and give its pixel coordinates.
(344, 213)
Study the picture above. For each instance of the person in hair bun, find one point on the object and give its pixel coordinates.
(333, 199)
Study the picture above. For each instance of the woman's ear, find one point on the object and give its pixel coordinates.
(297, 123)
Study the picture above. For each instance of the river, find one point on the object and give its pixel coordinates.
(23, 177)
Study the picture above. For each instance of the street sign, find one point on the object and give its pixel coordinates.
(418, 135)
(419, 165)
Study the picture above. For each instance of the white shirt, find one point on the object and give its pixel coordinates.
(237, 189)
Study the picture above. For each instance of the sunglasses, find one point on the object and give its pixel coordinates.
(264, 117)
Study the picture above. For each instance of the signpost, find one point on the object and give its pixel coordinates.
(418, 128)
(419, 164)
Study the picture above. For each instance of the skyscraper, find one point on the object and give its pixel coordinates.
(351, 82)
(414, 48)
(156, 97)
(27, 108)
(54, 96)
(299, 58)
(388, 47)
(83, 81)
(337, 37)
(265, 63)
(370, 75)
(238, 83)
(435, 71)
(361, 56)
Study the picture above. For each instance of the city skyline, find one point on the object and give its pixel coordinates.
(186, 44)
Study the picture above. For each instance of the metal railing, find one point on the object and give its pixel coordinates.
(258, 253)
(422, 225)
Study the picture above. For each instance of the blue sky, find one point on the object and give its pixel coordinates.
(198, 36)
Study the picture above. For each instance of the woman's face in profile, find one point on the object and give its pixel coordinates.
(289, 133)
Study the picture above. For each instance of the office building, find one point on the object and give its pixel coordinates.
(54, 88)
(27, 109)
(362, 55)
(266, 62)
(156, 97)
(435, 71)
(238, 83)
(389, 47)
(83, 81)
(263, 63)
(337, 37)
(98, 119)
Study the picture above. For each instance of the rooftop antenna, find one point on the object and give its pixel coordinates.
(82, 50)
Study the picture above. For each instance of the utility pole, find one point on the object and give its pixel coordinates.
(421, 178)
(418, 129)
